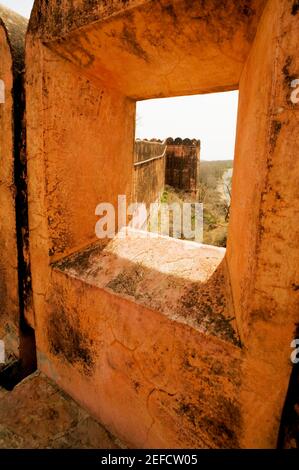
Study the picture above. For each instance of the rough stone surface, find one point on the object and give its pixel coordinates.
(148, 149)
(263, 250)
(174, 162)
(182, 164)
(289, 426)
(185, 281)
(161, 372)
(12, 39)
(15, 27)
(161, 44)
(149, 171)
(140, 330)
(37, 415)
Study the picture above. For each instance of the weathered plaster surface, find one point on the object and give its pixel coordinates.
(37, 415)
(160, 372)
(12, 38)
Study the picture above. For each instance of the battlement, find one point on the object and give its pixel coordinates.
(174, 162)
(167, 343)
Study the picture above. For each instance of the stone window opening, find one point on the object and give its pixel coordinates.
(166, 350)
(173, 172)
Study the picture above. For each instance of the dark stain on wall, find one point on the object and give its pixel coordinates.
(3, 291)
(207, 304)
(222, 425)
(82, 260)
(288, 76)
(275, 130)
(182, 164)
(288, 437)
(67, 339)
(295, 8)
(15, 27)
(130, 42)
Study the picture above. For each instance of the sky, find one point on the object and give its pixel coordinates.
(23, 7)
(210, 118)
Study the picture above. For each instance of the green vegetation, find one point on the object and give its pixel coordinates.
(214, 193)
(211, 172)
(215, 196)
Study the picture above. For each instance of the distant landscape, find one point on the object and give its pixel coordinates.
(215, 194)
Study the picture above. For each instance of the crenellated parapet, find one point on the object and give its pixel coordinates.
(174, 161)
(183, 164)
(147, 149)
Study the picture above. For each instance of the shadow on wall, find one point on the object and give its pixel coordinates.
(143, 290)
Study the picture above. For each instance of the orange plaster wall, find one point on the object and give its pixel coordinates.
(263, 238)
(87, 151)
(263, 250)
(140, 377)
(9, 301)
(146, 377)
(150, 49)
